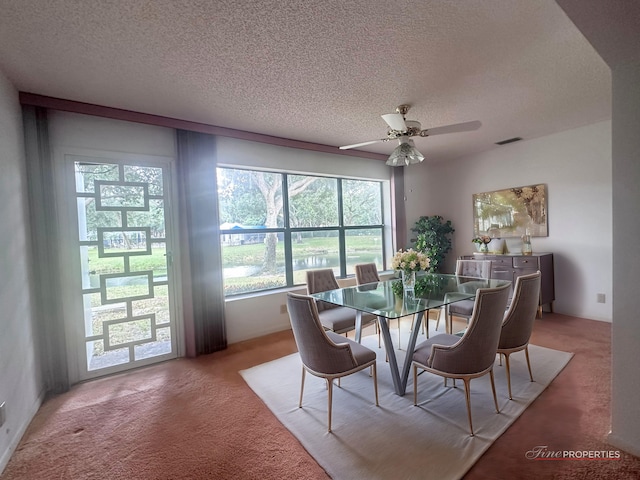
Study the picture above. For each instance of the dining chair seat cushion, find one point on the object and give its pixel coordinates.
(341, 319)
(422, 353)
(361, 354)
(462, 307)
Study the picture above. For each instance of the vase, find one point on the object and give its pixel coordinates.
(496, 245)
(526, 245)
(408, 284)
(484, 248)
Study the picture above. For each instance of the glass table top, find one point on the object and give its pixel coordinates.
(433, 290)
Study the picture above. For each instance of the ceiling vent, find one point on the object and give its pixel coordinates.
(509, 140)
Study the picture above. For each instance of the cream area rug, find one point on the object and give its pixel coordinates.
(398, 440)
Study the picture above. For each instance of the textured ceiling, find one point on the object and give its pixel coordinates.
(320, 71)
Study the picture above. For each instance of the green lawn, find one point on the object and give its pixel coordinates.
(360, 249)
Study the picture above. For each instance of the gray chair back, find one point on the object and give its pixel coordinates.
(519, 319)
(476, 350)
(317, 351)
(474, 268)
(366, 273)
(321, 280)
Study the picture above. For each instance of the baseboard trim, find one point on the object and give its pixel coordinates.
(622, 444)
(20, 431)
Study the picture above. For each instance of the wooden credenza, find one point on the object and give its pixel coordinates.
(511, 266)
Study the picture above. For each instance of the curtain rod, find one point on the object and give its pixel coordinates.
(53, 103)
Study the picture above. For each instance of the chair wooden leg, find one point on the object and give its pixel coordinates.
(375, 382)
(526, 354)
(441, 311)
(415, 385)
(301, 387)
(467, 395)
(329, 402)
(493, 388)
(508, 368)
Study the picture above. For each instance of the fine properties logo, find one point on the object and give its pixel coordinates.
(542, 452)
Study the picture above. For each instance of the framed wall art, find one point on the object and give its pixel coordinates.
(512, 212)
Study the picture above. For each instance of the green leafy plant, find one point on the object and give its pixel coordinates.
(433, 239)
(425, 285)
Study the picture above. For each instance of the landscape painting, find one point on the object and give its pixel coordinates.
(512, 212)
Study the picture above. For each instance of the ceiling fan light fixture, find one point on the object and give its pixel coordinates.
(405, 154)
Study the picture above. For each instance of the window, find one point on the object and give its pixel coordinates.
(275, 226)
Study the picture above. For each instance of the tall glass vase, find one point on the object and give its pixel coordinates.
(408, 284)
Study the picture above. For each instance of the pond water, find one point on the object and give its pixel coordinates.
(312, 261)
(240, 272)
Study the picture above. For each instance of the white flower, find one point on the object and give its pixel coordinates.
(410, 261)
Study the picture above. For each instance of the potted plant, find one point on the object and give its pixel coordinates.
(433, 239)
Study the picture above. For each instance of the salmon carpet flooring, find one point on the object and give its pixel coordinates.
(198, 419)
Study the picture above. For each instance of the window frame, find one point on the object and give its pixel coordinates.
(287, 231)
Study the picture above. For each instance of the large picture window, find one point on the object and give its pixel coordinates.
(275, 226)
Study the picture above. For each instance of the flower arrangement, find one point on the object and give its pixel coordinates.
(410, 261)
(482, 239)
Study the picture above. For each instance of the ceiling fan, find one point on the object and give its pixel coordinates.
(402, 130)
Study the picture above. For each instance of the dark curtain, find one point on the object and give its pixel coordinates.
(203, 295)
(45, 241)
(398, 212)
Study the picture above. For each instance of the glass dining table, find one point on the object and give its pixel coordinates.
(434, 292)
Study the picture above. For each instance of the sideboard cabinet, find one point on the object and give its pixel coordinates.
(511, 266)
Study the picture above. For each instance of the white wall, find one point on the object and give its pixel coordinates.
(625, 343)
(21, 382)
(232, 151)
(76, 131)
(576, 167)
(598, 20)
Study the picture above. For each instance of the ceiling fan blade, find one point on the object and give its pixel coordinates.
(356, 145)
(395, 121)
(456, 127)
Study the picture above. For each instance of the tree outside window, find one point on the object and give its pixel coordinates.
(275, 226)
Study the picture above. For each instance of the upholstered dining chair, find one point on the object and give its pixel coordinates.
(333, 317)
(464, 308)
(518, 321)
(366, 273)
(325, 354)
(470, 356)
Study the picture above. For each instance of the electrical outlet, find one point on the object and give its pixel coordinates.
(3, 413)
(601, 298)
(283, 309)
